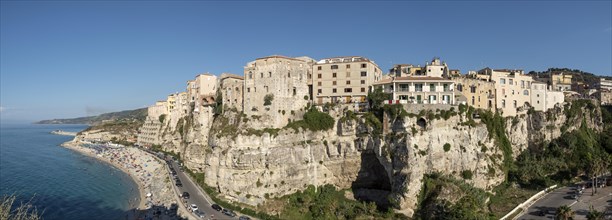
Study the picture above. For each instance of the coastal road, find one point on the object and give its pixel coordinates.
(195, 197)
(562, 196)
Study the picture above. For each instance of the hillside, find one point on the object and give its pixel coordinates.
(137, 115)
(579, 76)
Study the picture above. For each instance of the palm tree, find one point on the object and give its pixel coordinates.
(594, 214)
(564, 213)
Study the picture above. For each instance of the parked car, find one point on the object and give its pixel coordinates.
(185, 195)
(244, 218)
(228, 212)
(199, 213)
(193, 207)
(179, 184)
(216, 207)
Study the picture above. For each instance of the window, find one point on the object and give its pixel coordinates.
(511, 82)
(334, 83)
(348, 90)
(418, 87)
(319, 91)
(254, 89)
(348, 82)
(514, 103)
(364, 73)
(319, 75)
(362, 89)
(362, 82)
(502, 81)
(250, 75)
(348, 66)
(445, 87)
(522, 84)
(261, 75)
(460, 87)
(526, 92)
(334, 67)
(473, 100)
(269, 74)
(319, 68)
(432, 88)
(473, 89)
(334, 75)
(248, 90)
(294, 91)
(318, 83)
(364, 65)
(289, 74)
(503, 91)
(334, 90)
(309, 76)
(503, 103)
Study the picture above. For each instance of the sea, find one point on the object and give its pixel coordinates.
(58, 182)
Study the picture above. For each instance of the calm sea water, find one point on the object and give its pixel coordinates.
(62, 183)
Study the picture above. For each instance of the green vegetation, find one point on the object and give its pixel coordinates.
(328, 203)
(447, 147)
(433, 202)
(348, 116)
(137, 115)
(22, 211)
(268, 99)
(314, 121)
(564, 212)
(467, 174)
(496, 125)
(395, 111)
(376, 98)
(506, 197)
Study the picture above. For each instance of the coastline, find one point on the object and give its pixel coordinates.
(141, 204)
(150, 173)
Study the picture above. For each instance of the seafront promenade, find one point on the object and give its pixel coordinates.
(146, 170)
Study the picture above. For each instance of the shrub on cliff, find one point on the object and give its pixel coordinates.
(268, 99)
(314, 120)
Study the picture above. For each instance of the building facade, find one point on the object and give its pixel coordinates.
(343, 79)
(477, 92)
(512, 89)
(561, 81)
(274, 84)
(411, 84)
(232, 91)
(543, 98)
(148, 134)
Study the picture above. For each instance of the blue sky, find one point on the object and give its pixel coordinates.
(62, 59)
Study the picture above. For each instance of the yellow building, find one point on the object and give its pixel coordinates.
(479, 93)
(512, 89)
(561, 81)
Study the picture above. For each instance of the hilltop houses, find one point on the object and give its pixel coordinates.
(275, 90)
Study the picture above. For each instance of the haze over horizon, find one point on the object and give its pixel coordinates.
(66, 59)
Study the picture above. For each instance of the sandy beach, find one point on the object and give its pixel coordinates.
(148, 171)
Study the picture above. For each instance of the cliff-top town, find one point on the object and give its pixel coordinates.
(273, 88)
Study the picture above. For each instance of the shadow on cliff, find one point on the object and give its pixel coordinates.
(372, 183)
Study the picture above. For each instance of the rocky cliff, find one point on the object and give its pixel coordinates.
(249, 165)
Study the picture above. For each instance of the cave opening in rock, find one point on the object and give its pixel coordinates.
(372, 183)
(422, 123)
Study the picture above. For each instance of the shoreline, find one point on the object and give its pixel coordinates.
(140, 185)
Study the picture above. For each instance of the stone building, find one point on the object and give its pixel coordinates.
(479, 93)
(232, 87)
(543, 98)
(343, 79)
(202, 90)
(512, 88)
(276, 84)
(149, 132)
(604, 91)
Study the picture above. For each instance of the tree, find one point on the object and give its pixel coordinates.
(268, 99)
(23, 211)
(594, 214)
(377, 97)
(564, 213)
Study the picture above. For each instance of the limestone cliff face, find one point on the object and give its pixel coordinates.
(250, 166)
